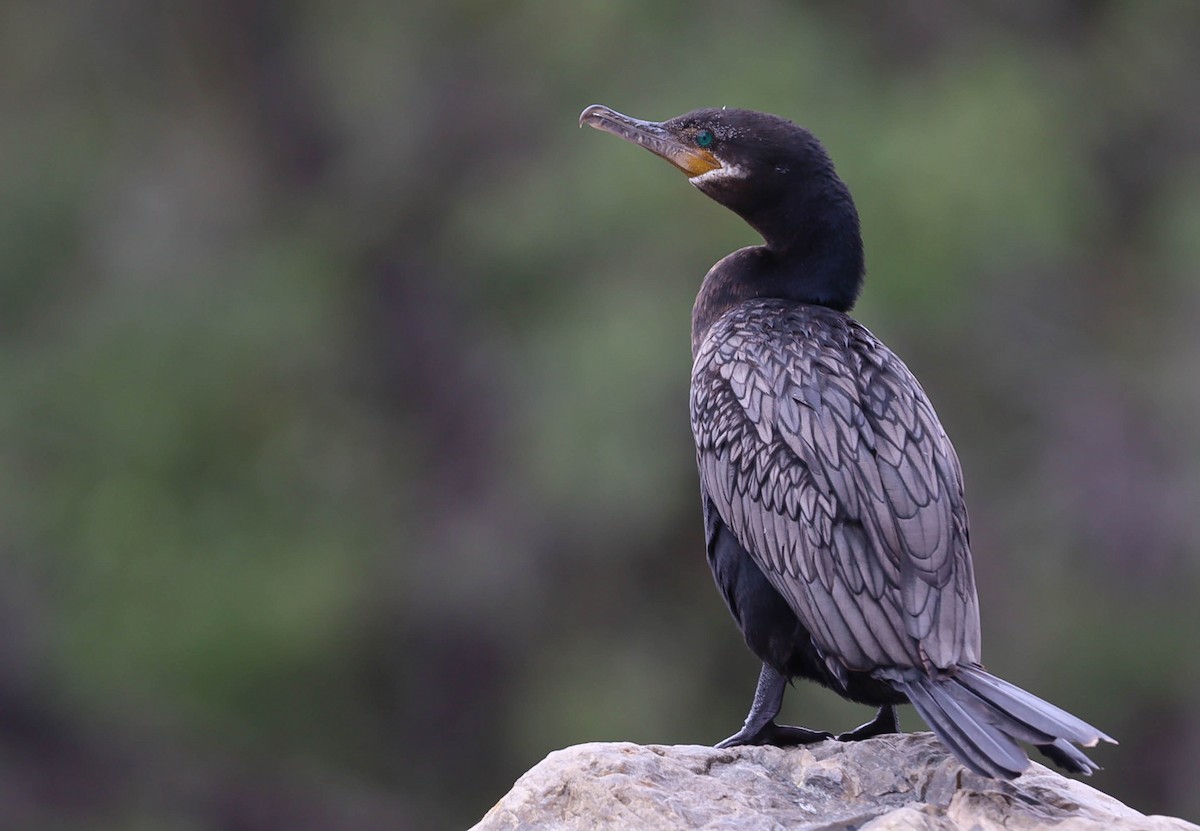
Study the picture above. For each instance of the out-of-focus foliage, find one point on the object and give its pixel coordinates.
(344, 461)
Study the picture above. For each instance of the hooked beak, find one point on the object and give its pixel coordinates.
(652, 135)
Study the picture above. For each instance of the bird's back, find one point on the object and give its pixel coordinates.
(823, 455)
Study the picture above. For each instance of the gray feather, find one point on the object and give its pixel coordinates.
(825, 459)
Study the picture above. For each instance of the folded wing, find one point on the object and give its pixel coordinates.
(823, 455)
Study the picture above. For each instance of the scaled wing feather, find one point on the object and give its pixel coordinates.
(824, 457)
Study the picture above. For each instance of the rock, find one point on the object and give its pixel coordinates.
(903, 781)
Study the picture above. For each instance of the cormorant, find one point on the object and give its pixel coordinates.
(834, 517)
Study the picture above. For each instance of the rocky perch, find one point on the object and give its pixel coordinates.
(903, 781)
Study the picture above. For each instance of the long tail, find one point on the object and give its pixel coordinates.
(981, 718)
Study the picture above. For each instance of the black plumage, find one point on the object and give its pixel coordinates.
(833, 505)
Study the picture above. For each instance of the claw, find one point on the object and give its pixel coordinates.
(885, 721)
(776, 735)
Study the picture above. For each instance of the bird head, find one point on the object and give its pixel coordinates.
(778, 178)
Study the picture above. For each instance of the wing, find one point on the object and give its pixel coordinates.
(823, 455)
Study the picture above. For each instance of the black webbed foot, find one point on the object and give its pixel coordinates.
(760, 726)
(885, 721)
(778, 735)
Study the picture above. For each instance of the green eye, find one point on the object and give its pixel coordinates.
(704, 138)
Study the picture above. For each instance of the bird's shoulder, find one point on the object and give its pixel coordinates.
(776, 357)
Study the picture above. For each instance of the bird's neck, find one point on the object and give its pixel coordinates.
(825, 272)
(812, 251)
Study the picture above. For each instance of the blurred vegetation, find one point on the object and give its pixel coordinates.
(344, 458)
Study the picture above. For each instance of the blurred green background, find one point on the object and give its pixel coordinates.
(344, 457)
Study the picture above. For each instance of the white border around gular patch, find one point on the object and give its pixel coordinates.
(723, 172)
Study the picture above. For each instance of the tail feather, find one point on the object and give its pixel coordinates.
(946, 730)
(983, 749)
(1027, 707)
(981, 718)
(1005, 722)
(977, 744)
(1068, 757)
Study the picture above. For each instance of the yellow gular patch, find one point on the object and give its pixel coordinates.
(693, 161)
